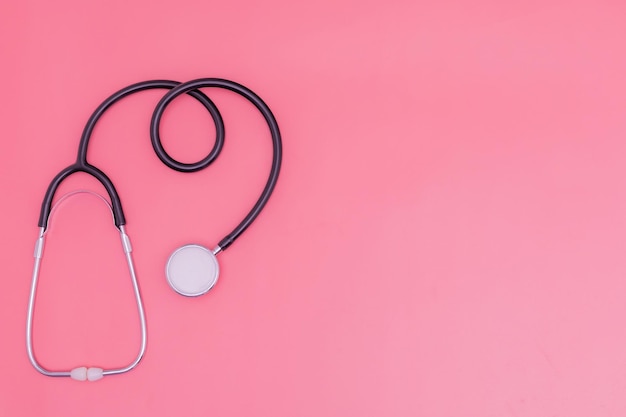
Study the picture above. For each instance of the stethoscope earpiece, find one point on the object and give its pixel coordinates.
(192, 270)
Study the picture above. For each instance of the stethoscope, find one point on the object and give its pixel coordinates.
(191, 270)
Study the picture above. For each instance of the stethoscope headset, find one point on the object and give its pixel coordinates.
(191, 270)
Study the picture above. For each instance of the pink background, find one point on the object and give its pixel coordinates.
(446, 238)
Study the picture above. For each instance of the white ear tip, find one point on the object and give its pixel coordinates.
(79, 374)
(94, 374)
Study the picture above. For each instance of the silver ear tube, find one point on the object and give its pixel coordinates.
(83, 373)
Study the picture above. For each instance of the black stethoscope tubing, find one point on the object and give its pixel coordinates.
(176, 89)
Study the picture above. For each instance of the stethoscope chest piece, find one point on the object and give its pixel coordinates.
(192, 270)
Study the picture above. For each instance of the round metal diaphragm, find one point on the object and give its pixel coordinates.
(192, 270)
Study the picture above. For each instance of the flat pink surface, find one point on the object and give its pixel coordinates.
(447, 237)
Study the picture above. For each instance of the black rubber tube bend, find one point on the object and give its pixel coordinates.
(176, 89)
